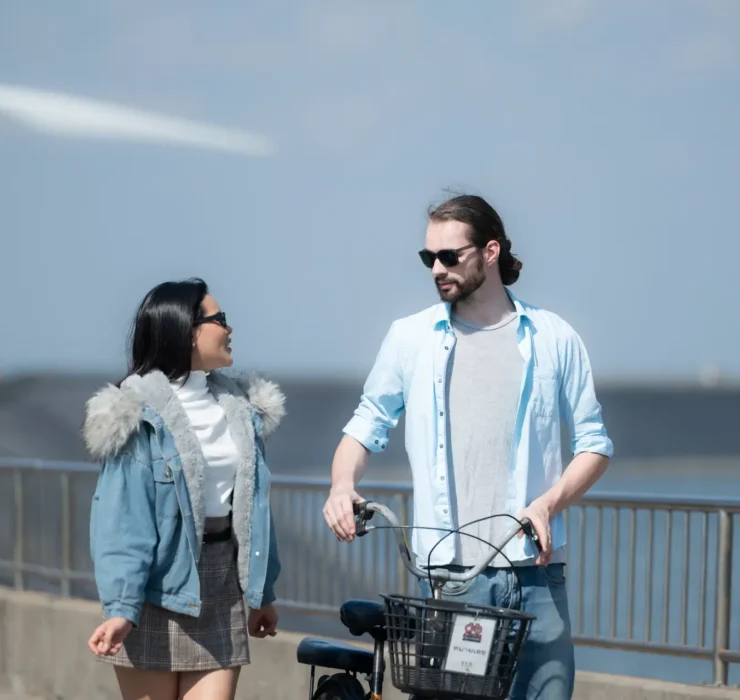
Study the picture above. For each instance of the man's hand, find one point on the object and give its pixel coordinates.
(582, 473)
(338, 512)
(539, 513)
(262, 622)
(107, 639)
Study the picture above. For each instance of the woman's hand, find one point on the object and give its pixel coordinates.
(108, 638)
(262, 621)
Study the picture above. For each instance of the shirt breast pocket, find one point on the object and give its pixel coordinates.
(166, 503)
(545, 392)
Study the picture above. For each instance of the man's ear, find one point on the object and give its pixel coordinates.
(492, 252)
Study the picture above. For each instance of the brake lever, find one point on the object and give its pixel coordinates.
(528, 529)
(362, 515)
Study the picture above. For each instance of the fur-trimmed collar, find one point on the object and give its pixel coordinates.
(115, 413)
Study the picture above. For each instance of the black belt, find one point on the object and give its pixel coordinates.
(222, 536)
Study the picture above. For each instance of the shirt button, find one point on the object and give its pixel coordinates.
(256, 554)
(439, 380)
(441, 478)
(441, 446)
(445, 511)
(377, 441)
(441, 413)
(447, 347)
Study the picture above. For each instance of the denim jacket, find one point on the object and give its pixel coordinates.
(148, 513)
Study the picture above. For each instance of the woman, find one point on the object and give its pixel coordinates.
(181, 533)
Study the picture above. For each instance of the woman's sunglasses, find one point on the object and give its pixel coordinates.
(219, 318)
(448, 257)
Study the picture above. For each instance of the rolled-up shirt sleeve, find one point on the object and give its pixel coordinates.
(382, 401)
(578, 404)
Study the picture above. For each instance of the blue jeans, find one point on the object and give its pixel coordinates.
(546, 665)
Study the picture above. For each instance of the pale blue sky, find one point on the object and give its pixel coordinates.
(606, 134)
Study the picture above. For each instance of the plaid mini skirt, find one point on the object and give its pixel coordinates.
(218, 638)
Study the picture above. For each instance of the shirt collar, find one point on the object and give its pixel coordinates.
(443, 311)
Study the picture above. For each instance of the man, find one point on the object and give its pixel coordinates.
(485, 381)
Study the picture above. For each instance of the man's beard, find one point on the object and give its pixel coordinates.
(462, 290)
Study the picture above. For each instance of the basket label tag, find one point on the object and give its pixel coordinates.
(470, 645)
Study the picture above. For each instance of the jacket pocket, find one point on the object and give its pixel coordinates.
(166, 503)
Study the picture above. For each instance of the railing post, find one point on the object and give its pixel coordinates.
(403, 574)
(66, 535)
(18, 534)
(722, 604)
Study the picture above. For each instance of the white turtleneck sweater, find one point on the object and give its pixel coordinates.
(219, 449)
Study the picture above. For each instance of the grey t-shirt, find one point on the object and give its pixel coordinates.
(483, 383)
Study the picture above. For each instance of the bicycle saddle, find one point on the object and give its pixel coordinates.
(338, 655)
(364, 617)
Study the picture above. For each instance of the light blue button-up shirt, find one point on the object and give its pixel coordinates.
(410, 374)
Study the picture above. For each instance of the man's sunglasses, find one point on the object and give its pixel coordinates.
(219, 318)
(448, 257)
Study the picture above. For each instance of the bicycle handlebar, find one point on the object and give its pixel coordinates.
(364, 512)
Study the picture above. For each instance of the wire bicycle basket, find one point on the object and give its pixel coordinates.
(452, 650)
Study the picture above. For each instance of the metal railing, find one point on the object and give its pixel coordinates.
(645, 573)
(692, 584)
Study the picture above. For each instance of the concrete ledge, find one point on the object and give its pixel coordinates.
(43, 652)
(601, 686)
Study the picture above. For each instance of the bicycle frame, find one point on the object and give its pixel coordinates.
(378, 675)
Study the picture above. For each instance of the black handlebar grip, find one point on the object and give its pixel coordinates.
(362, 515)
(361, 511)
(529, 530)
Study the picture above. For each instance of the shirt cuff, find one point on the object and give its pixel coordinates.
(124, 610)
(373, 437)
(268, 596)
(597, 444)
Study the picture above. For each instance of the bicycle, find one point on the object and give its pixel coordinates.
(438, 649)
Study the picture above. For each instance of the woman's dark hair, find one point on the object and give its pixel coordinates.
(485, 225)
(162, 334)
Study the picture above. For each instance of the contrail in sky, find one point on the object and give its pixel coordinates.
(68, 115)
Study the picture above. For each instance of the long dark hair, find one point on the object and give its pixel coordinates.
(485, 225)
(162, 333)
